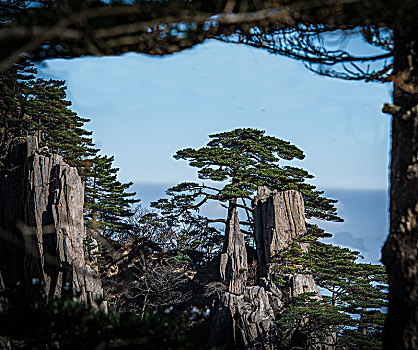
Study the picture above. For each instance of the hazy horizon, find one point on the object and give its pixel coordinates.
(365, 214)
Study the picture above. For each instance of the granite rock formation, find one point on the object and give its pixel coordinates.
(233, 262)
(243, 321)
(243, 316)
(41, 225)
(279, 217)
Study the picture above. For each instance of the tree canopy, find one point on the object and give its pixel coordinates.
(35, 105)
(246, 159)
(108, 205)
(237, 162)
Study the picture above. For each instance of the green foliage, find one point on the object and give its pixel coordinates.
(246, 159)
(355, 295)
(239, 161)
(38, 106)
(89, 245)
(335, 269)
(291, 260)
(309, 320)
(357, 289)
(92, 249)
(59, 128)
(107, 202)
(67, 324)
(181, 258)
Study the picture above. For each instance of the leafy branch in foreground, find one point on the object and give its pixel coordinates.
(72, 325)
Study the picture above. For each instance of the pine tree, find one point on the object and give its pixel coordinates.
(356, 289)
(13, 121)
(310, 322)
(31, 105)
(354, 296)
(59, 128)
(241, 160)
(107, 202)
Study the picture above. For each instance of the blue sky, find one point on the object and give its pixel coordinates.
(143, 109)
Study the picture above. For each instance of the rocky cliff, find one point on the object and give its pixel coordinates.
(243, 315)
(41, 225)
(279, 218)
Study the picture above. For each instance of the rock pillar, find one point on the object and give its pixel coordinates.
(42, 226)
(233, 261)
(279, 217)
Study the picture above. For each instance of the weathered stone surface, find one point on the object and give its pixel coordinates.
(302, 283)
(279, 217)
(233, 261)
(243, 321)
(222, 326)
(42, 225)
(243, 317)
(276, 296)
(255, 320)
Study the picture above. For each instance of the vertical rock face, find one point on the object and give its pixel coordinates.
(255, 320)
(279, 217)
(243, 316)
(243, 321)
(233, 262)
(41, 224)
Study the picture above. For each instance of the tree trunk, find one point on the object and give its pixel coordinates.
(399, 253)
